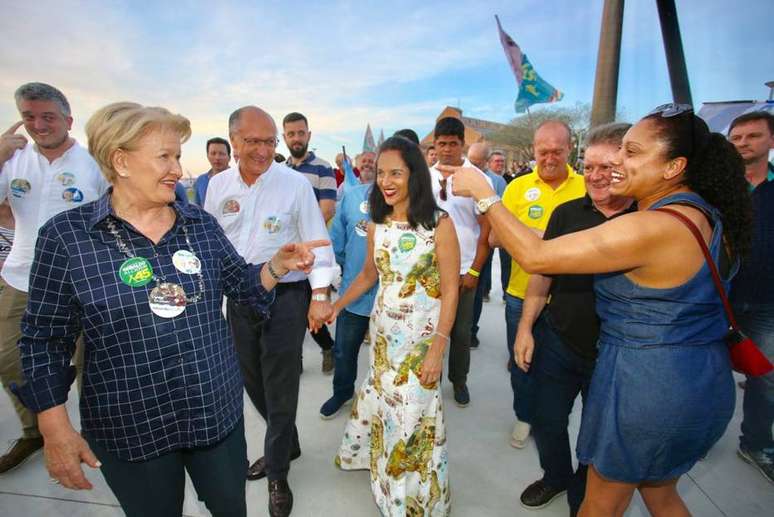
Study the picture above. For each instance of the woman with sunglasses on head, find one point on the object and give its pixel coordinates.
(396, 429)
(662, 392)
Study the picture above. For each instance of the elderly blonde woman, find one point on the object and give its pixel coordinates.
(143, 278)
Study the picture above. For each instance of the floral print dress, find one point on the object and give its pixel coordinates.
(396, 428)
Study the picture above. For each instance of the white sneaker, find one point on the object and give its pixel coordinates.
(520, 434)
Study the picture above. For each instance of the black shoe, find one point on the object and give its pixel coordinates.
(461, 395)
(539, 495)
(258, 469)
(280, 498)
(474, 342)
(20, 451)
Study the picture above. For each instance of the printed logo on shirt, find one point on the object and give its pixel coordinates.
(407, 242)
(20, 187)
(532, 194)
(272, 224)
(66, 178)
(535, 212)
(72, 195)
(361, 228)
(230, 207)
(364, 207)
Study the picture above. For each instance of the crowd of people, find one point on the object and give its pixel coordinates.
(116, 280)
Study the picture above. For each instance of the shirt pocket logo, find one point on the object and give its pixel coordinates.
(230, 207)
(272, 224)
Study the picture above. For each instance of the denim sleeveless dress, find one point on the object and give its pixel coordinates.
(662, 392)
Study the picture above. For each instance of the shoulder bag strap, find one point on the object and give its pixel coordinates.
(711, 263)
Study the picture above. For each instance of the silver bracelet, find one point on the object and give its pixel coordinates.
(443, 336)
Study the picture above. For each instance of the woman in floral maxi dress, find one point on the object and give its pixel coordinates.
(396, 429)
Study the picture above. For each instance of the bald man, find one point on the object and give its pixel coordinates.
(479, 154)
(262, 205)
(532, 199)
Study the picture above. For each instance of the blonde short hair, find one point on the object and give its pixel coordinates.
(122, 125)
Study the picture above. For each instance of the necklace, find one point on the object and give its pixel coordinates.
(167, 299)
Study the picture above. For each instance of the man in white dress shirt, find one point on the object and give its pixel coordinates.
(39, 180)
(262, 205)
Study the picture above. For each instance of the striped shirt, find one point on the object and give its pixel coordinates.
(320, 175)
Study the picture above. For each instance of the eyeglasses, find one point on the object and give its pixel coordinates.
(671, 110)
(443, 189)
(269, 143)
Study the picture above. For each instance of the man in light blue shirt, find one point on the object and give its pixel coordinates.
(348, 232)
(479, 155)
(219, 156)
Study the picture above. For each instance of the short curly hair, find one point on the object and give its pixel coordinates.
(122, 125)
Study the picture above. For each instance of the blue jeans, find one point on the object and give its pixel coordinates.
(351, 329)
(522, 384)
(757, 321)
(560, 375)
(484, 286)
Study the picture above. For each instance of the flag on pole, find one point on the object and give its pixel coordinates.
(533, 89)
(368, 141)
(350, 180)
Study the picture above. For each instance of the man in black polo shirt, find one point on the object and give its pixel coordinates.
(559, 347)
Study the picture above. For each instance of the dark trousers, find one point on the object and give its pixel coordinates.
(459, 347)
(483, 288)
(351, 329)
(269, 354)
(757, 321)
(156, 487)
(323, 338)
(505, 269)
(560, 375)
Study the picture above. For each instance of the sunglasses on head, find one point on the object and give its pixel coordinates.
(671, 110)
(443, 189)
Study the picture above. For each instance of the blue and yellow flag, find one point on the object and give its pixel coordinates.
(533, 88)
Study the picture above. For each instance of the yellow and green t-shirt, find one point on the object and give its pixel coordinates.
(533, 201)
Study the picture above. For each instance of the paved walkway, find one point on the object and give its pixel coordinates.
(487, 474)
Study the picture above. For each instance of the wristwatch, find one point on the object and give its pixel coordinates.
(320, 297)
(482, 205)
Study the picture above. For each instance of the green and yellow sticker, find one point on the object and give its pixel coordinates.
(136, 272)
(407, 242)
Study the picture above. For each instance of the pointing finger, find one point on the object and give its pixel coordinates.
(11, 130)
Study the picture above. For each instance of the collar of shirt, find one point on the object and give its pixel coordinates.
(571, 176)
(589, 205)
(309, 157)
(103, 208)
(64, 154)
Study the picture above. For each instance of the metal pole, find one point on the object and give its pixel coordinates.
(608, 60)
(673, 46)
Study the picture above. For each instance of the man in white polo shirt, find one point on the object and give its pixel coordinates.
(39, 180)
(262, 205)
(473, 236)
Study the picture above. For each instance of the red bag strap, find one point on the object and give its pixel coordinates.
(711, 263)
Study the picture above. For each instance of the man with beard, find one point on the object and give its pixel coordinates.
(752, 293)
(39, 181)
(295, 131)
(366, 164)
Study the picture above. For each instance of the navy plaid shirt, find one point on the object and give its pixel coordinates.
(150, 384)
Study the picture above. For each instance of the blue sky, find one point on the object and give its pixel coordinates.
(347, 63)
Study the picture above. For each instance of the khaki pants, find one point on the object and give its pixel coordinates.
(12, 306)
